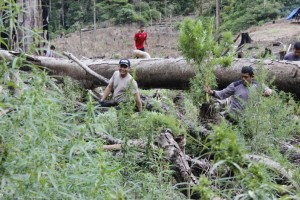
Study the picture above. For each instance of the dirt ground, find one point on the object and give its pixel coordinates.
(281, 32)
(117, 42)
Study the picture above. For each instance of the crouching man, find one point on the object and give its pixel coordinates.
(239, 91)
(122, 84)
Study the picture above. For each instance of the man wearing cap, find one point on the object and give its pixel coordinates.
(239, 90)
(120, 82)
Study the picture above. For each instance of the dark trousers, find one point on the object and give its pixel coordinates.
(142, 49)
(229, 117)
(108, 103)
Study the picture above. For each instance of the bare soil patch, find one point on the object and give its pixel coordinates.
(117, 41)
(281, 32)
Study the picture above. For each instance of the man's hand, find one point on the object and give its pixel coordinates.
(267, 92)
(208, 90)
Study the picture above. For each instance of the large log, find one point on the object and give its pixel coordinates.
(170, 73)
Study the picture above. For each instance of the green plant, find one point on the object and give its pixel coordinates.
(204, 189)
(125, 16)
(199, 46)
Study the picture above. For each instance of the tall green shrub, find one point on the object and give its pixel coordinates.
(200, 47)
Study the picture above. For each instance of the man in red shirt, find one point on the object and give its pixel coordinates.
(140, 38)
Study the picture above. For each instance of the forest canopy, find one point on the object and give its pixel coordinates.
(69, 15)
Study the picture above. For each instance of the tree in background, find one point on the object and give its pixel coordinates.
(241, 14)
(21, 25)
(236, 15)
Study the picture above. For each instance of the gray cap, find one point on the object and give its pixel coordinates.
(124, 62)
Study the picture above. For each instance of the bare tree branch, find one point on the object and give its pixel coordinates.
(272, 165)
(86, 68)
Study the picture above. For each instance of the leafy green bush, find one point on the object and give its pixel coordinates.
(48, 147)
(198, 45)
(142, 7)
(152, 14)
(125, 16)
(139, 19)
(248, 13)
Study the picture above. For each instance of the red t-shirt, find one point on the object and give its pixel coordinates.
(140, 38)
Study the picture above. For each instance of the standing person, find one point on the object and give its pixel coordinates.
(294, 56)
(49, 52)
(239, 90)
(120, 82)
(140, 38)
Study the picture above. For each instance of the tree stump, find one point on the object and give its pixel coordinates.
(281, 54)
(245, 38)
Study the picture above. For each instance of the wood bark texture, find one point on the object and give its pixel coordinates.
(170, 73)
(273, 165)
(177, 157)
(292, 152)
(30, 20)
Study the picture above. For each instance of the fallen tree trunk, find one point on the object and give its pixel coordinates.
(273, 165)
(292, 152)
(169, 73)
(177, 157)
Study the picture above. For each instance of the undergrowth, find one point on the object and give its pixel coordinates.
(50, 146)
(49, 149)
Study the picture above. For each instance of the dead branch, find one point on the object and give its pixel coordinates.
(236, 38)
(292, 152)
(108, 138)
(199, 166)
(176, 156)
(93, 94)
(116, 144)
(239, 48)
(112, 147)
(272, 165)
(86, 68)
(5, 111)
(17, 80)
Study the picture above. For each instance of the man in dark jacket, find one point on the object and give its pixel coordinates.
(294, 56)
(238, 90)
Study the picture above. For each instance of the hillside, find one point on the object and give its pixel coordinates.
(265, 36)
(116, 42)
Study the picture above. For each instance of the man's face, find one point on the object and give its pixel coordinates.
(142, 29)
(247, 78)
(123, 69)
(297, 53)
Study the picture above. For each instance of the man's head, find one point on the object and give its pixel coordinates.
(52, 47)
(124, 67)
(142, 28)
(247, 74)
(297, 49)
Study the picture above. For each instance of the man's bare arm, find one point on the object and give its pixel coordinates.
(106, 92)
(139, 101)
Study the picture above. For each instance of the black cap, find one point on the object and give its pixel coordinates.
(247, 70)
(124, 62)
